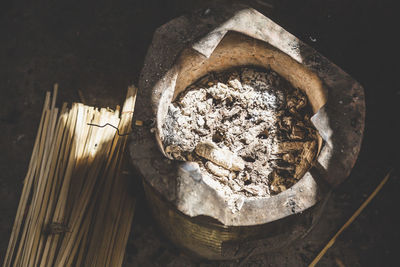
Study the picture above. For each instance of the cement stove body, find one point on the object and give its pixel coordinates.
(191, 213)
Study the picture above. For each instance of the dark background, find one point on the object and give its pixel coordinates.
(99, 47)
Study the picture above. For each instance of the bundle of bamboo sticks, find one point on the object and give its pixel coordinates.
(75, 209)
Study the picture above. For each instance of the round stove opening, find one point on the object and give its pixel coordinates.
(248, 129)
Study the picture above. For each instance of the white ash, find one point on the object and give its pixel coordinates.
(254, 114)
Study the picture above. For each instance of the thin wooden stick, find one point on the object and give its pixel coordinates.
(82, 251)
(58, 216)
(80, 240)
(119, 250)
(115, 253)
(26, 190)
(52, 181)
(121, 227)
(108, 210)
(41, 200)
(58, 176)
(81, 207)
(349, 221)
(82, 164)
(112, 217)
(76, 186)
(22, 253)
(74, 179)
(98, 244)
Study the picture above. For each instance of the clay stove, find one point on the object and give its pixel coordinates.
(190, 209)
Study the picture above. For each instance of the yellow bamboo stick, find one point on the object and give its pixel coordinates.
(88, 188)
(58, 216)
(59, 174)
(23, 253)
(26, 189)
(42, 195)
(51, 181)
(350, 220)
(74, 178)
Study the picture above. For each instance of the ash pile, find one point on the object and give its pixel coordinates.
(247, 128)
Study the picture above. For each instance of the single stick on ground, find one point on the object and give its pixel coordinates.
(349, 221)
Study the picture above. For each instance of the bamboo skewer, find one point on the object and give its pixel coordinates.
(116, 254)
(62, 196)
(49, 191)
(80, 209)
(28, 223)
(60, 171)
(43, 192)
(26, 190)
(51, 115)
(101, 256)
(42, 202)
(51, 187)
(350, 220)
(74, 182)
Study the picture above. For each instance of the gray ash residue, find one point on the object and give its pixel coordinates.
(251, 116)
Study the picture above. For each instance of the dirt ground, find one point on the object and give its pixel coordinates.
(99, 48)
